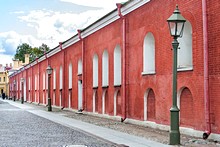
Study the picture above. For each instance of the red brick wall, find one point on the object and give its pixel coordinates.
(187, 108)
(145, 20)
(151, 106)
(148, 18)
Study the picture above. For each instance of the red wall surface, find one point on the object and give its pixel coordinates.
(150, 17)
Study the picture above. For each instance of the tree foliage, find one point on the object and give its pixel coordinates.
(34, 52)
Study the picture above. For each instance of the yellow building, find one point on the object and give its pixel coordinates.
(5, 71)
(3, 81)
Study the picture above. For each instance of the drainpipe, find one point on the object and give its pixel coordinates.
(46, 81)
(123, 62)
(32, 84)
(83, 71)
(206, 69)
(26, 73)
(38, 88)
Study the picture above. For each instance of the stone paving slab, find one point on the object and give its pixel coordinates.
(108, 134)
(20, 128)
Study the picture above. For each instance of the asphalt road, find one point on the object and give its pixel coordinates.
(19, 128)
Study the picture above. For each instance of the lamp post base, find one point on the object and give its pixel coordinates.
(22, 100)
(174, 137)
(49, 104)
(174, 128)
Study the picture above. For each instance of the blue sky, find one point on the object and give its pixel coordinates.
(45, 21)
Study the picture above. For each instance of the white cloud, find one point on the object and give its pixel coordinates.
(10, 40)
(52, 27)
(6, 59)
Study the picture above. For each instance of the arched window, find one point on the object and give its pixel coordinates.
(149, 54)
(70, 75)
(79, 67)
(117, 65)
(185, 52)
(61, 77)
(95, 70)
(105, 68)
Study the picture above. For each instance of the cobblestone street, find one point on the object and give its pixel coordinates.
(145, 132)
(20, 128)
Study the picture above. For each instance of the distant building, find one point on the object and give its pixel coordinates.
(4, 79)
(5, 71)
(18, 64)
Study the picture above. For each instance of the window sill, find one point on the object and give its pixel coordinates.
(148, 73)
(105, 86)
(190, 68)
(117, 85)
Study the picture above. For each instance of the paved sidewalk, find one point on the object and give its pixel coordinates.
(108, 134)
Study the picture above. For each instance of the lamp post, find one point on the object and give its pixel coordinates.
(22, 90)
(176, 24)
(14, 88)
(49, 72)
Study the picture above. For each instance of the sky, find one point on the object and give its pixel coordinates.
(45, 21)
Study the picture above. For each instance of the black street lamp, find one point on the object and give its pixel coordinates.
(176, 24)
(14, 82)
(49, 72)
(22, 90)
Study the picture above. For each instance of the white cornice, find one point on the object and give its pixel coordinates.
(54, 51)
(41, 58)
(70, 42)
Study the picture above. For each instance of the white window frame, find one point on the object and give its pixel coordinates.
(61, 77)
(54, 79)
(105, 68)
(117, 66)
(185, 51)
(95, 70)
(70, 75)
(149, 54)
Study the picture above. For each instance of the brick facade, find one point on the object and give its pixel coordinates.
(143, 92)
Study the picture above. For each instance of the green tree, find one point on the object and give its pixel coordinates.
(35, 52)
(21, 50)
